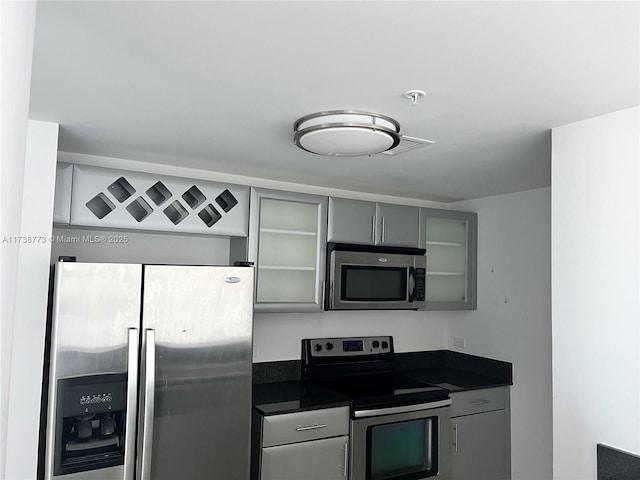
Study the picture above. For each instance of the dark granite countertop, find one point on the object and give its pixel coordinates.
(455, 380)
(454, 371)
(288, 397)
(277, 387)
(615, 464)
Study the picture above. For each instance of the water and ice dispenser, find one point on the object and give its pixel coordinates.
(89, 423)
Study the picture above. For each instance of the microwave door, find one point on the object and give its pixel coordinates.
(368, 283)
(375, 280)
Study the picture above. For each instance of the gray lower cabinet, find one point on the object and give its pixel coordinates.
(315, 460)
(480, 447)
(311, 445)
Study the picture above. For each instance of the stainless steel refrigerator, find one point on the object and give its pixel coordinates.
(150, 372)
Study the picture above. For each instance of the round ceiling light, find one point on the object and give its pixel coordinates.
(346, 133)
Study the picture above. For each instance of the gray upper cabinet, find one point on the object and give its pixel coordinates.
(287, 243)
(451, 240)
(104, 197)
(372, 223)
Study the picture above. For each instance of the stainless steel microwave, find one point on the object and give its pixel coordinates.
(374, 280)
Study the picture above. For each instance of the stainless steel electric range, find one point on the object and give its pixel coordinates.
(399, 425)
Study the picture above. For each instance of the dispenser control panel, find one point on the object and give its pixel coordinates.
(99, 398)
(94, 394)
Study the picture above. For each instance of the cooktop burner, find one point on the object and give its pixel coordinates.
(361, 369)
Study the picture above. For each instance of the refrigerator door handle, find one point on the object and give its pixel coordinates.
(132, 405)
(149, 383)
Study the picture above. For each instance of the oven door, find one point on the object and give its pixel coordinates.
(370, 280)
(401, 443)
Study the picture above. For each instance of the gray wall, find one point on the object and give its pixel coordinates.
(513, 319)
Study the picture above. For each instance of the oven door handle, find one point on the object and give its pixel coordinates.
(376, 412)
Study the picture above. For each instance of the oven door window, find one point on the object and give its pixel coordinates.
(367, 284)
(403, 450)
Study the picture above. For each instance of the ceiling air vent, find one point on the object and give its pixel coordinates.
(408, 143)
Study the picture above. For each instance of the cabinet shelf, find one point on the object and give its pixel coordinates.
(280, 231)
(287, 246)
(446, 244)
(448, 274)
(282, 267)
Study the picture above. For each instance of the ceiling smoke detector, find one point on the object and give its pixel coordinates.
(414, 96)
(346, 133)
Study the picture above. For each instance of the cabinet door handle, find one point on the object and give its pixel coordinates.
(382, 236)
(345, 471)
(455, 436)
(480, 401)
(310, 427)
(373, 229)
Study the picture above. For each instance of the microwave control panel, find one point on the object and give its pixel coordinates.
(350, 346)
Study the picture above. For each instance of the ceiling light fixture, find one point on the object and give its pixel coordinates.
(346, 133)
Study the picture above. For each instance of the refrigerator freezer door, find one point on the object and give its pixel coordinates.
(202, 318)
(95, 306)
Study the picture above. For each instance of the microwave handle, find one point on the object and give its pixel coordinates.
(412, 283)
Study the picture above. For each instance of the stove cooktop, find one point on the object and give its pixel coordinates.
(376, 391)
(361, 369)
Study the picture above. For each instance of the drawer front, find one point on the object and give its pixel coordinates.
(477, 401)
(325, 459)
(304, 426)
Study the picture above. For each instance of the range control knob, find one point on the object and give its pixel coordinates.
(385, 345)
(317, 347)
(375, 344)
(329, 346)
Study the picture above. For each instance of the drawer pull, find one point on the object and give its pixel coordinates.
(455, 438)
(310, 427)
(345, 471)
(480, 401)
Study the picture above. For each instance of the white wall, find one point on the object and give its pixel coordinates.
(17, 23)
(277, 336)
(32, 285)
(595, 274)
(513, 319)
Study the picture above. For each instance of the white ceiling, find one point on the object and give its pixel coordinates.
(218, 85)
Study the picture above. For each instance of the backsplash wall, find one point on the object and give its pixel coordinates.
(277, 335)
